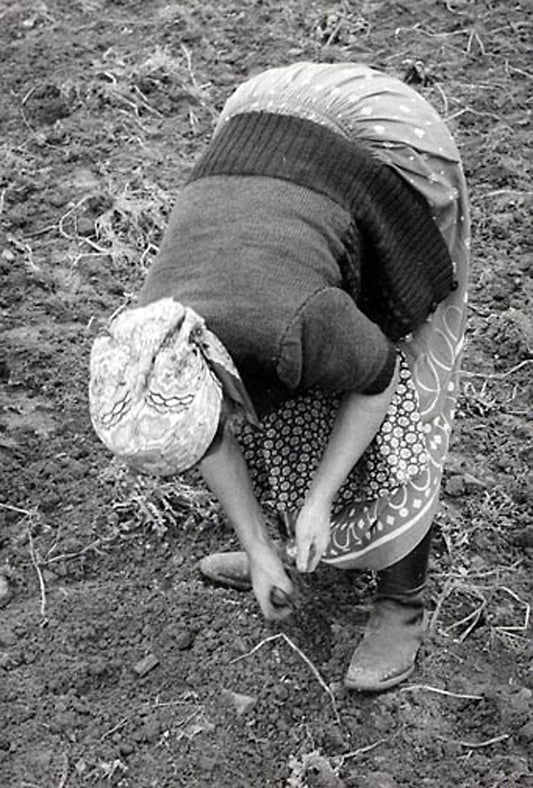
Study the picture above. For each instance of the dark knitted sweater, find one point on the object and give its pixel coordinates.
(304, 254)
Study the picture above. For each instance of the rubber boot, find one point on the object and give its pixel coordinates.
(396, 626)
(232, 569)
(227, 569)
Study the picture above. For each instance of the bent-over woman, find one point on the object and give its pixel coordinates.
(298, 339)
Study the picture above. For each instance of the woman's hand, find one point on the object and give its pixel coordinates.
(270, 582)
(357, 421)
(225, 471)
(312, 534)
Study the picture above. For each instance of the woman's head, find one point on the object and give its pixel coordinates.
(158, 378)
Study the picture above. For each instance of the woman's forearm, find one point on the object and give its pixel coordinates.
(224, 469)
(358, 419)
(226, 474)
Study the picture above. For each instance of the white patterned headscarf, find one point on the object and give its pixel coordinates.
(158, 377)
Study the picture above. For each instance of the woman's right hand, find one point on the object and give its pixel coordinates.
(268, 573)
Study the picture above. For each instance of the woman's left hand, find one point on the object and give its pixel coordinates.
(312, 534)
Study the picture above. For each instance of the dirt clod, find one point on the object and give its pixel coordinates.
(526, 732)
(455, 486)
(7, 637)
(146, 664)
(378, 780)
(5, 591)
(241, 703)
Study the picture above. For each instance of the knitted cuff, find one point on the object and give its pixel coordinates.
(381, 382)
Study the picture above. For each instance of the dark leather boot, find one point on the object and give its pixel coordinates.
(396, 626)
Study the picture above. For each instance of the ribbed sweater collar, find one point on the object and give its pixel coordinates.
(283, 146)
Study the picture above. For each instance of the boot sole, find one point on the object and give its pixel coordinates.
(382, 686)
(229, 582)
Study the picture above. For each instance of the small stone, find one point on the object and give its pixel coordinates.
(455, 486)
(30, 22)
(7, 637)
(146, 664)
(81, 705)
(5, 660)
(241, 703)
(5, 591)
(58, 199)
(240, 645)
(339, 690)
(319, 772)
(80, 766)
(126, 748)
(177, 559)
(184, 639)
(40, 139)
(524, 537)
(84, 180)
(41, 758)
(57, 134)
(207, 763)
(520, 701)
(525, 733)
(280, 692)
(18, 216)
(505, 461)
(85, 226)
(452, 749)
(379, 780)
(8, 256)
(99, 667)
(150, 730)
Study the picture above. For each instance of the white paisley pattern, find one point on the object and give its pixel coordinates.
(374, 528)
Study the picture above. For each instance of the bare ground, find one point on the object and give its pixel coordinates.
(118, 664)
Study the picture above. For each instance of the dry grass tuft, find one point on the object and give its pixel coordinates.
(125, 224)
(156, 504)
(130, 229)
(477, 598)
(147, 89)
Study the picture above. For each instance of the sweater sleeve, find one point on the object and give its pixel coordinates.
(331, 344)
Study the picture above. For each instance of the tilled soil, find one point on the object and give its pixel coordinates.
(119, 665)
